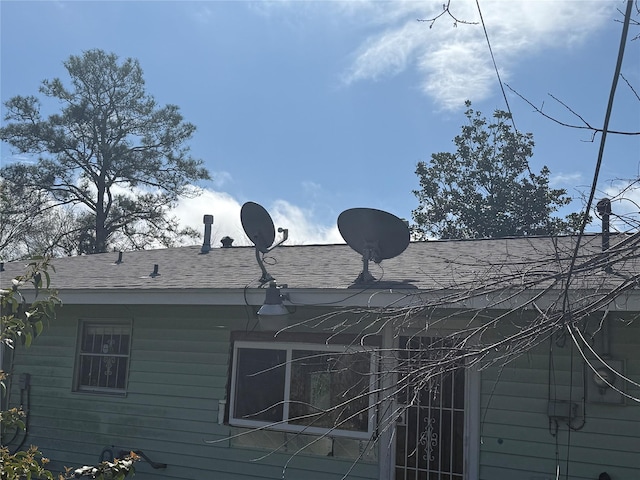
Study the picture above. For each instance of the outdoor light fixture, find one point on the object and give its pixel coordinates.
(603, 378)
(607, 382)
(273, 314)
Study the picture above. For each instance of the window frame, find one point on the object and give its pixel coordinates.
(283, 424)
(83, 326)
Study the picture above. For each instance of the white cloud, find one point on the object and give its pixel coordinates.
(450, 85)
(387, 54)
(226, 220)
(455, 63)
(221, 178)
(302, 229)
(560, 179)
(226, 215)
(311, 188)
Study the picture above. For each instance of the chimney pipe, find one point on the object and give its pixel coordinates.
(604, 210)
(208, 221)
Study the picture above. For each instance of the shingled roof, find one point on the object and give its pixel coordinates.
(426, 265)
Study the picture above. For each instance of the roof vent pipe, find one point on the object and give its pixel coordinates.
(226, 242)
(604, 210)
(208, 221)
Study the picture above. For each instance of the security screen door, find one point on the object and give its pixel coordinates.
(430, 431)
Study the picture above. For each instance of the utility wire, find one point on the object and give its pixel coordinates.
(566, 308)
(605, 127)
(495, 66)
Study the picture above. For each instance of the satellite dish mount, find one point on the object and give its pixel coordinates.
(369, 252)
(258, 226)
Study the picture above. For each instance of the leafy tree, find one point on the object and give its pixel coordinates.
(110, 150)
(20, 324)
(485, 188)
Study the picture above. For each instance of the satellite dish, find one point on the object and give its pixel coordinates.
(374, 234)
(258, 226)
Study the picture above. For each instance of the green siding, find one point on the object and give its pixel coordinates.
(516, 432)
(178, 373)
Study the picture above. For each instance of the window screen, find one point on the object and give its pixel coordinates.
(103, 360)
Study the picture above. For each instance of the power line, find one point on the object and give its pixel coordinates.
(605, 128)
(495, 66)
(565, 304)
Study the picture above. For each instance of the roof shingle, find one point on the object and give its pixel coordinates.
(426, 265)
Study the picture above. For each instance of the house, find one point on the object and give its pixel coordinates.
(162, 352)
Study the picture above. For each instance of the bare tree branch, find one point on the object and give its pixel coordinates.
(446, 11)
(585, 124)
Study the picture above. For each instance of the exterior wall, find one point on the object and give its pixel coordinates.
(516, 431)
(178, 373)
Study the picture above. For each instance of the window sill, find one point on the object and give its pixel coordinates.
(303, 444)
(106, 393)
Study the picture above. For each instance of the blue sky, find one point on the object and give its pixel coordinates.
(310, 108)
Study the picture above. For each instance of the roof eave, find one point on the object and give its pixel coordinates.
(340, 297)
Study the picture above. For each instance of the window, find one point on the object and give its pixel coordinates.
(307, 388)
(103, 357)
